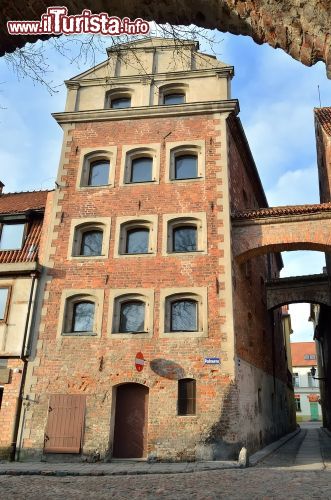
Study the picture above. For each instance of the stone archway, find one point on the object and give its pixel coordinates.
(304, 227)
(300, 28)
(314, 289)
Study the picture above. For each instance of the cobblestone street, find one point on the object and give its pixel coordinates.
(300, 469)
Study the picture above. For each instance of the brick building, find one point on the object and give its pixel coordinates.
(139, 259)
(21, 218)
(306, 388)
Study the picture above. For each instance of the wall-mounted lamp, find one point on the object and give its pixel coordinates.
(313, 373)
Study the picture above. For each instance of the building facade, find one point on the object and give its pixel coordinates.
(21, 223)
(320, 313)
(306, 388)
(154, 342)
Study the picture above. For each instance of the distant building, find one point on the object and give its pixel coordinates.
(21, 219)
(306, 388)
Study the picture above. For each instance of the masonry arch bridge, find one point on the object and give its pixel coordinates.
(314, 289)
(298, 227)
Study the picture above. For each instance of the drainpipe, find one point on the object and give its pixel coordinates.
(24, 372)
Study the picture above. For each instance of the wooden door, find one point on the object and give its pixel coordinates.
(131, 417)
(65, 423)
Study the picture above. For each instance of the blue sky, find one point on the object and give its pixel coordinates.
(276, 93)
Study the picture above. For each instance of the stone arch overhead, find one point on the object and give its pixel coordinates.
(300, 28)
(314, 289)
(133, 380)
(301, 227)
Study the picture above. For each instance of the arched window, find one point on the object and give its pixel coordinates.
(173, 93)
(81, 312)
(136, 237)
(119, 98)
(98, 173)
(91, 243)
(137, 240)
(186, 166)
(186, 396)
(132, 316)
(184, 315)
(89, 238)
(184, 238)
(185, 161)
(131, 312)
(185, 234)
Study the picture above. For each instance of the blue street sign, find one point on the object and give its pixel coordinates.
(212, 361)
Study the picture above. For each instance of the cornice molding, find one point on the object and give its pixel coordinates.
(176, 75)
(136, 113)
(278, 219)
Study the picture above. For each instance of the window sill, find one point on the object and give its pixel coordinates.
(79, 334)
(140, 183)
(129, 335)
(88, 257)
(183, 335)
(188, 179)
(147, 254)
(185, 254)
(102, 186)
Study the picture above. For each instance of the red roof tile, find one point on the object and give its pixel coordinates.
(299, 350)
(324, 117)
(285, 210)
(16, 203)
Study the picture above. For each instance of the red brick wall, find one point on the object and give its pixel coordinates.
(93, 366)
(253, 324)
(8, 407)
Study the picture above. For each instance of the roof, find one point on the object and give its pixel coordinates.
(29, 250)
(299, 350)
(283, 210)
(324, 117)
(17, 203)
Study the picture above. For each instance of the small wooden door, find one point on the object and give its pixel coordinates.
(131, 417)
(314, 411)
(65, 422)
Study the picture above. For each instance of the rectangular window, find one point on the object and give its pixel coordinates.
(1, 396)
(297, 404)
(310, 380)
(296, 379)
(186, 396)
(4, 297)
(11, 236)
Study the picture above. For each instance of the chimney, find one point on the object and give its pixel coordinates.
(1, 187)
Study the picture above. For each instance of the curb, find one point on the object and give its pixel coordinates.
(327, 432)
(58, 472)
(265, 452)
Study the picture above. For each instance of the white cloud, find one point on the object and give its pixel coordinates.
(295, 187)
(303, 329)
(304, 262)
(298, 264)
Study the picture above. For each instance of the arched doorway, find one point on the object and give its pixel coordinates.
(131, 421)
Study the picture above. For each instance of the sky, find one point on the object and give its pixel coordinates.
(276, 94)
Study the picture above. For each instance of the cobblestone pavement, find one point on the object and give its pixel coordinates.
(286, 474)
